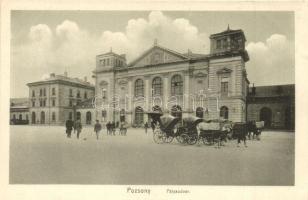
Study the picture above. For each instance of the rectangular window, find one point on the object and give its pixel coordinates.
(44, 92)
(41, 92)
(33, 103)
(41, 103)
(218, 44)
(53, 91)
(70, 92)
(53, 102)
(224, 88)
(225, 43)
(70, 116)
(33, 93)
(107, 62)
(53, 116)
(70, 103)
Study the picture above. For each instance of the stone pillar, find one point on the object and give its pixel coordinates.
(129, 100)
(147, 97)
(166, 92)
(186, 93)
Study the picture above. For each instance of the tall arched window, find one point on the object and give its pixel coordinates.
(138, 116)
(53, 116)
(88, 117)
(33, 118)
(176, 85)
(139, 88)
(224, 112)
(157, 86)
(42, 117)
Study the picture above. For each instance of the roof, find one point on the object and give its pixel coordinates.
(228, 32)
(64, 78)
(19, 102)
(273, 91)
(158, 47)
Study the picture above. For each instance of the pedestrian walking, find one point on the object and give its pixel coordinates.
(146, 126)
(108, 128)
(78, 128)
(97, 128)
(113, 128)
(69, 127)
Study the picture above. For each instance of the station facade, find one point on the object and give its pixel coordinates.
(210, 86)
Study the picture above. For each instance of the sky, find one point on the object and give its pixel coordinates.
(44, 42)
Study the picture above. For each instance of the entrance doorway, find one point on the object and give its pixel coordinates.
(266, 116)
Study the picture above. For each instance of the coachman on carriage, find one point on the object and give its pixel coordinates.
(164, 130)
(189, 132)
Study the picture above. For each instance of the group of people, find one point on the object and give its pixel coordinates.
(70, 125)
(110, 126)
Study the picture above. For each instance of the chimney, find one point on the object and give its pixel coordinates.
(52, 75)
(65, 73)
(85, 79)
(253, 90)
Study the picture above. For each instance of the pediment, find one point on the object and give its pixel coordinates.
(157, 55)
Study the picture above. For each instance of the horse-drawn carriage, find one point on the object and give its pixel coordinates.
(164, 127)
(189, 132)
(213, 131)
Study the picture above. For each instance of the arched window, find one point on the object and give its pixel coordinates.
(224, 112)
(88, 117)
(78, 115)
(20, 117)
(157, 86)
(176, 85)
(53, 116)
(199, 112)
(70, 115)
(139, 116)
(42, 117)
(122, 115)
(139, 88)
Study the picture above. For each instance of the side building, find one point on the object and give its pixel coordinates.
(19, 111)
(275, 105)
(54, 100)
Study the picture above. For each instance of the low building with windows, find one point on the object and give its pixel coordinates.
(19, 111)
(54, 100)
(210, 86)
(275, 105)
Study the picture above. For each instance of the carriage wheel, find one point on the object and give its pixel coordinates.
(167, 139)
(192, 140)
(180, 139)
(158, 137)
(185, 138)
(206, 141)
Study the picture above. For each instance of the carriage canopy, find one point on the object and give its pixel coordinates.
(192, 121)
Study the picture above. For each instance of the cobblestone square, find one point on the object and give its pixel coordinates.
(43, 155)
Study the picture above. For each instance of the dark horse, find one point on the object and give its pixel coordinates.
(240, 131)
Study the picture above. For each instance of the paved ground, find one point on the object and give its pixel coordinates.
(43, 155)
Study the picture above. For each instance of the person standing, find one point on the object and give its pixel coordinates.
(78, 127)
(108, 128)
(69, 127)
(97, 128)
(113, 127)
(146, 126)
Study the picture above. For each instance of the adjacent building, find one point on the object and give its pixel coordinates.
(275, 105)
(54, 100)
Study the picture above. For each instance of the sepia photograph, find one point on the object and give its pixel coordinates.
(152, 97)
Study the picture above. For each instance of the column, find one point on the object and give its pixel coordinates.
(129, 99)
(147, 98)
(186, 92)
(166, 92)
